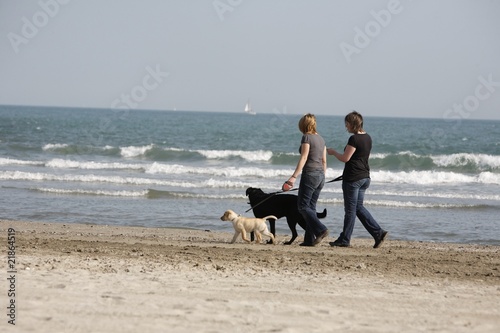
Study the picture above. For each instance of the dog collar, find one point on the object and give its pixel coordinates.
(235, 218)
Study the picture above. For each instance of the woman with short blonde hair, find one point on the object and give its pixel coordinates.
(312, 165)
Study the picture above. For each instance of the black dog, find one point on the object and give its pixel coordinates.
(278, 205)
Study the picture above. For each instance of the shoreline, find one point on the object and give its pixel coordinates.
(117, 279)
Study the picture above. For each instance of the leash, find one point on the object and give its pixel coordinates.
(335, 180)
(272, 194)
(269, 197)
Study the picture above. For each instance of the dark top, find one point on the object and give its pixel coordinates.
(316, 147)
(357, 167)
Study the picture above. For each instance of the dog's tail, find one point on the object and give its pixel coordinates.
(270, 217)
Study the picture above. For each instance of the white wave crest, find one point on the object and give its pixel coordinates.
(159, 168)
(94, 192)
(51, 146)
(38, 176)
(253, 156)
(69, 164)
(462, 159)
(208, 196)
(401, 153)
(379, 156)
(134, 151)
(410, 204)
(399, 204)
(434, 177)
(434, 194)
(10, 161)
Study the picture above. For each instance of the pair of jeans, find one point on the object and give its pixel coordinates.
(311, 184)
(354, 194)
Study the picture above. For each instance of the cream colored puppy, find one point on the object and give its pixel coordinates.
(242, 225)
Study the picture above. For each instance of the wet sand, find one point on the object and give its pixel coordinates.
(94, 278)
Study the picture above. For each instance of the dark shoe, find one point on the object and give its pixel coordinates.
(337, 243)
(305, 244)
(380, 240)
(320, 237)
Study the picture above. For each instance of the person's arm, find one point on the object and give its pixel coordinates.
(324, 160)
(304, 152)
(346, 156)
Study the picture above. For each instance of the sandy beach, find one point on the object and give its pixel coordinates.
(95, 278)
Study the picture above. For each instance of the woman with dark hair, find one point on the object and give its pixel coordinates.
(355, 181)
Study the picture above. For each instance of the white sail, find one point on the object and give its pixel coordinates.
(248, 108)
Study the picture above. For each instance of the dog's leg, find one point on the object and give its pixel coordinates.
(292, 225)
(272, 225)
(244, 236)
(263, 230)
(258, 237)
(236, 234)
(270, 235)
(252, 237)
(293, 228)
(321, 215)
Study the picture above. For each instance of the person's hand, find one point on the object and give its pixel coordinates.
(330, 151)
(288, 185)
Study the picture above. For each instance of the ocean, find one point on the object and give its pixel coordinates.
(433, 180)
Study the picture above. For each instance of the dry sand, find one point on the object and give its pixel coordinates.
(90, 278)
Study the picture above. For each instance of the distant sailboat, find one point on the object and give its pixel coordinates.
(248, 108)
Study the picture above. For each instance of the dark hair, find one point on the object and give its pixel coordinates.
(355, 121)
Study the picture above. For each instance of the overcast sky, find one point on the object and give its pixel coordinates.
(429, 58)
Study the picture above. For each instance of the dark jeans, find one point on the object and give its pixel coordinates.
(311, 183)
(354, 194)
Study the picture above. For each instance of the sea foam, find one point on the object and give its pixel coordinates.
(433, 177)
(134, 151)
(253, 156)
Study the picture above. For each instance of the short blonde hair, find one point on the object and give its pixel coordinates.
(307, 124)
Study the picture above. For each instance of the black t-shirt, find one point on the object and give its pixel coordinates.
(357, 167)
